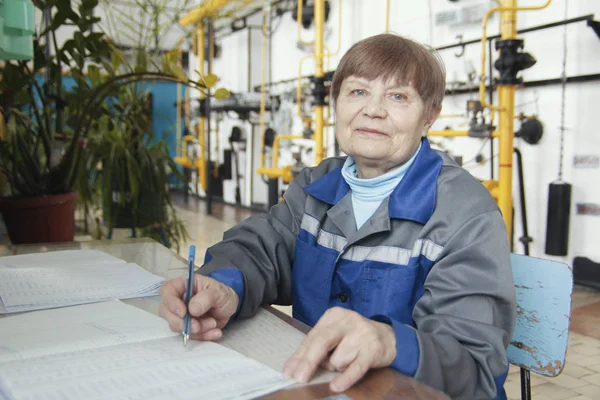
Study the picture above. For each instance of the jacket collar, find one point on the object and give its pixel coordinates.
(413, 199)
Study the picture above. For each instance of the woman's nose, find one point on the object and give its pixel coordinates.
(375, 108)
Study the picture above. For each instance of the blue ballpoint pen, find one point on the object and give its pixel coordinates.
(188, 295)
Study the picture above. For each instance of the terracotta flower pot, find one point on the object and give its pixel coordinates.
(44, 219)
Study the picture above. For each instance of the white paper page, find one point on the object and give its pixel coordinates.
(269, 340)
(104, 353)
(155, 369)
(65, 257)
(82, 327)
(36, 288)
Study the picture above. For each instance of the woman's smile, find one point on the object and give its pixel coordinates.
(370, 132)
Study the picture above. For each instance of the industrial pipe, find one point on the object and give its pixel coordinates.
(387, 16)
(201, 162)
(455, 133)
(510, 6)
(319, 25)
(263, 93)
(300, 25)
(506, 99)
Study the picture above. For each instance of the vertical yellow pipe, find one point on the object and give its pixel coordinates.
(188, 117)
(177, 123)
(211, 57)
(299, 11)
(319, 24)
(263, 79)
(387, 16)
(202, 121)
(178, 129)
(506, 97)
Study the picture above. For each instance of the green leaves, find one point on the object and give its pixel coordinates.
(171, 66)
(180, 74)
(222, 93)
(94, 74)
(117, 58)
(45, 155)
(64, 13)
(210, 80)
(142, 61)
(14, 78)
(39, 57)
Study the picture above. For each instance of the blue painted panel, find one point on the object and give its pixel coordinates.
(164, 109)
(164, 113)
(541, 334)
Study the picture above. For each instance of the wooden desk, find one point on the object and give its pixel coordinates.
(378, 384)
(381, 384)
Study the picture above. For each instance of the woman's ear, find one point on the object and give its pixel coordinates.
(432, 117)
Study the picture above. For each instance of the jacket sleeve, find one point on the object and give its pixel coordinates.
(466, 315)
(262, 248)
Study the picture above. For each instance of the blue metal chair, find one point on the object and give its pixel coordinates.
(540, 339)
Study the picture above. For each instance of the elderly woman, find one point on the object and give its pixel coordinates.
(394, 254)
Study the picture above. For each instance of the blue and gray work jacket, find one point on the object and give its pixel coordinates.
(433, 262)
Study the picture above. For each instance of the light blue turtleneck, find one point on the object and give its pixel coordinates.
(367, 194)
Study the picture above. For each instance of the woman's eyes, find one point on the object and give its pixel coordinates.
(362, 92)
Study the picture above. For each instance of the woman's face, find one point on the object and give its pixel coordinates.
(379, 123)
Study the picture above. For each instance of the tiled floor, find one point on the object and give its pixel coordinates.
(580, 379)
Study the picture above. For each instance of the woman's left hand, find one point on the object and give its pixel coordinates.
(343, 340)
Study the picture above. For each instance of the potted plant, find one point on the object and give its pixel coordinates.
(125, 172)
(46, 126)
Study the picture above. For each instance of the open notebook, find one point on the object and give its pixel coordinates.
(112, 350)
(64, 278)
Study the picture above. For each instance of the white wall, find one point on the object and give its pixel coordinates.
(415, 20)
(121, 19)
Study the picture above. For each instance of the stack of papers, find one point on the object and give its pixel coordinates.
(64, 278)
(116, 351)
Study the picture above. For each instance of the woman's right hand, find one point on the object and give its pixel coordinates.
(211, 306)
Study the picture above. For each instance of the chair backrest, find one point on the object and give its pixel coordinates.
(544, 290)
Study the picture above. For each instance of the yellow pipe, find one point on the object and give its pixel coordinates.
(300, 25)
(278, 138)
(506, 98)
(213, 8)
(454, 133)
(509, 6)
(387, 16)
(177, 115)
(274, 171)
(188, 117)
(263, 80)
(177, 122)
(451, 116)
(319, 73)
(339, 44)
(211, 57)
(329, 54)
(306, 57)
(299, 88)
(448, 133)
(201, 164)
(319, 25)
